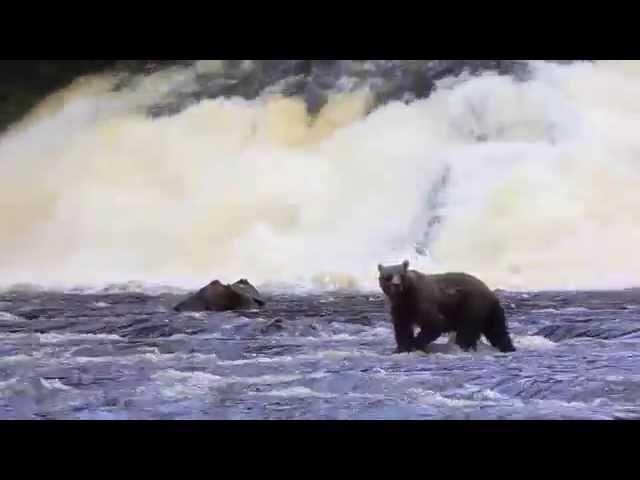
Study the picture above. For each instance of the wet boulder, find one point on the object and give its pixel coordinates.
(219, 297)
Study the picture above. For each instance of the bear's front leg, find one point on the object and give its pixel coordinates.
(432, 323)
(404, 337)
(427, 335)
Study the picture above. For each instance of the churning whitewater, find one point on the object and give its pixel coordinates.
(532, 183)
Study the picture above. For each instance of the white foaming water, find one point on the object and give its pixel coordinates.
(331, 355)
(175, 383)
(153, 356)
(87, 337)
(298, 392)
(10, 318)
(93, 192)
(533, 342)
(100, 304)
(429, 397)
(20, 358)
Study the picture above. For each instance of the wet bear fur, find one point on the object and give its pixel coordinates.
(442, 303)
(219, 297)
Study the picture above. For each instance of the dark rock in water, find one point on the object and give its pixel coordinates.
(33, 313)
(275, 325)
(244, 287)
(604, 330)
(219, 297)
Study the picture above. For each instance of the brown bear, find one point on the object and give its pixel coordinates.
(219, 297)
(441, 303)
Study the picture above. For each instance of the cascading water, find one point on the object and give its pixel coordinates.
(540, 191)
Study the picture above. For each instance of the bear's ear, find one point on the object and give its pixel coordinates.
(380, 267)
(405, 265)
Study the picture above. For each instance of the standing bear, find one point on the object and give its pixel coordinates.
(441, 303)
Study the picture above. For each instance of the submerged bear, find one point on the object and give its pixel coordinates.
(440, 303)
(218, 297)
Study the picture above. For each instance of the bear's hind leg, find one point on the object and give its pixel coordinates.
(496, 330)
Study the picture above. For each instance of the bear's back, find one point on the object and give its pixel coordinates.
(448, 290)
(459, 281)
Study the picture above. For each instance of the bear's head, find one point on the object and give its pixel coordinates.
(393, 278)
